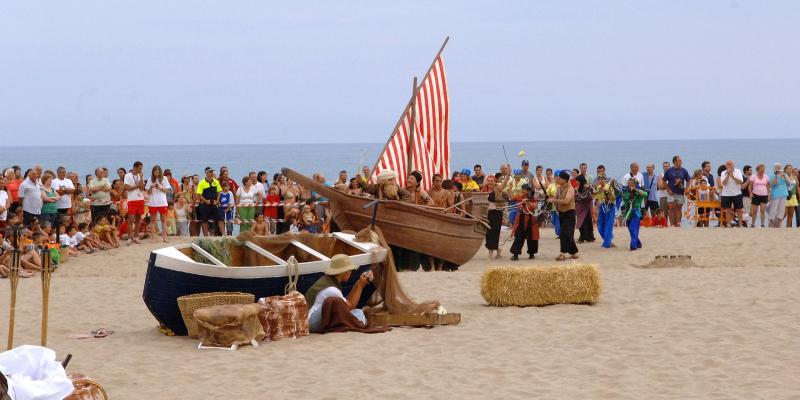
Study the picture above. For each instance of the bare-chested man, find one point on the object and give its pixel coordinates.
(415, 192)
(442, 197)
(342, 182)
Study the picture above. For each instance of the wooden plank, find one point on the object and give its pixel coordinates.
(413, 320)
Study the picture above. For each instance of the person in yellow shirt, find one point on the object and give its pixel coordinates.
(467, 183)
(513, 187)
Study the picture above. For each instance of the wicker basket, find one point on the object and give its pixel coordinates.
(188, 304)
(86, 389)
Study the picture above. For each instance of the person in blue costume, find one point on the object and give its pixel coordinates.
(605, 196)
(632, 200)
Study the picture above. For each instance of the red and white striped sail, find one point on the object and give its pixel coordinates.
(431, 152)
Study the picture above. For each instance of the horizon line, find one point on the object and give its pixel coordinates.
(378, 143)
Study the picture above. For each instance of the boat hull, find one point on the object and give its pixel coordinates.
(422, 229)
(164, 284)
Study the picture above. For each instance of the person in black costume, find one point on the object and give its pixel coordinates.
(526, 225)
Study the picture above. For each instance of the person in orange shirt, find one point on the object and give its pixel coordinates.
(659, 220)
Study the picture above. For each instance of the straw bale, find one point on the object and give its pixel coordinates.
(539, 286)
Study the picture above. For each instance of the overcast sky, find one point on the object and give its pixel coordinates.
(190, 71)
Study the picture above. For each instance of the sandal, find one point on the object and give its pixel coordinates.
(561, 257)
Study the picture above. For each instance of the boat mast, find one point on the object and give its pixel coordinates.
(405, 109)
(413, 123)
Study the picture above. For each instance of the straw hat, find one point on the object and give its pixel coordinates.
(386, 175)
(340, 263)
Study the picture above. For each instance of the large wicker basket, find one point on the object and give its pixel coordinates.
(86, 389)
(188, 304)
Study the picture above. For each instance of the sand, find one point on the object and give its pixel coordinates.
(726, 328)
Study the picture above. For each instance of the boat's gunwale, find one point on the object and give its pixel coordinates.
(400, 205)
(371, 254)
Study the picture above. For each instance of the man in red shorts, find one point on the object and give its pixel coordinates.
(134, 185)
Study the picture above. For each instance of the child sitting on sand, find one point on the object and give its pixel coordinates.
(68, 240)
(659, 221)
(106, 232)
(88, 239)
(260, 227)
(5, 261)
(647, 221)
(30, 259)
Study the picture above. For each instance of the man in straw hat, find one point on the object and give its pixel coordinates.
(329, 286)
(386, 188)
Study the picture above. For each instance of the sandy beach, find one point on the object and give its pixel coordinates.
(725, 329)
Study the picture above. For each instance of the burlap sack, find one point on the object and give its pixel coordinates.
(284, 316)
(224, 326)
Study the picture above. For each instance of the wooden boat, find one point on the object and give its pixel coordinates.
(422, 229)
(172, 271)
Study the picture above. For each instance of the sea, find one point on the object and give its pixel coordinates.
(330, 158)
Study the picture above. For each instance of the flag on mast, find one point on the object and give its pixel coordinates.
(431, 152)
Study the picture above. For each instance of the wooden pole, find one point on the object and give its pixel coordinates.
(47, 271)
(413, 123)
(456, 205)
(441, 49)
(405, 109)
(13, 278)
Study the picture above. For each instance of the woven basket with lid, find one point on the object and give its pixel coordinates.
(188, 304)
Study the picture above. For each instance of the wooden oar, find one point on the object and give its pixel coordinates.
(475, 218)
(456, 205)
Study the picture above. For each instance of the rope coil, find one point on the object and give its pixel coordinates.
(293, 273)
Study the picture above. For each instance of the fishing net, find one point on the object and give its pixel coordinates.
(218, 248)
(390, 295)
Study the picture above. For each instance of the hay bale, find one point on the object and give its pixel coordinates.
(539, 286)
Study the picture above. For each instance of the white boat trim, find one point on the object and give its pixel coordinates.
(265, 253)
(311, 251)
(171, 258)
(207, 255)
